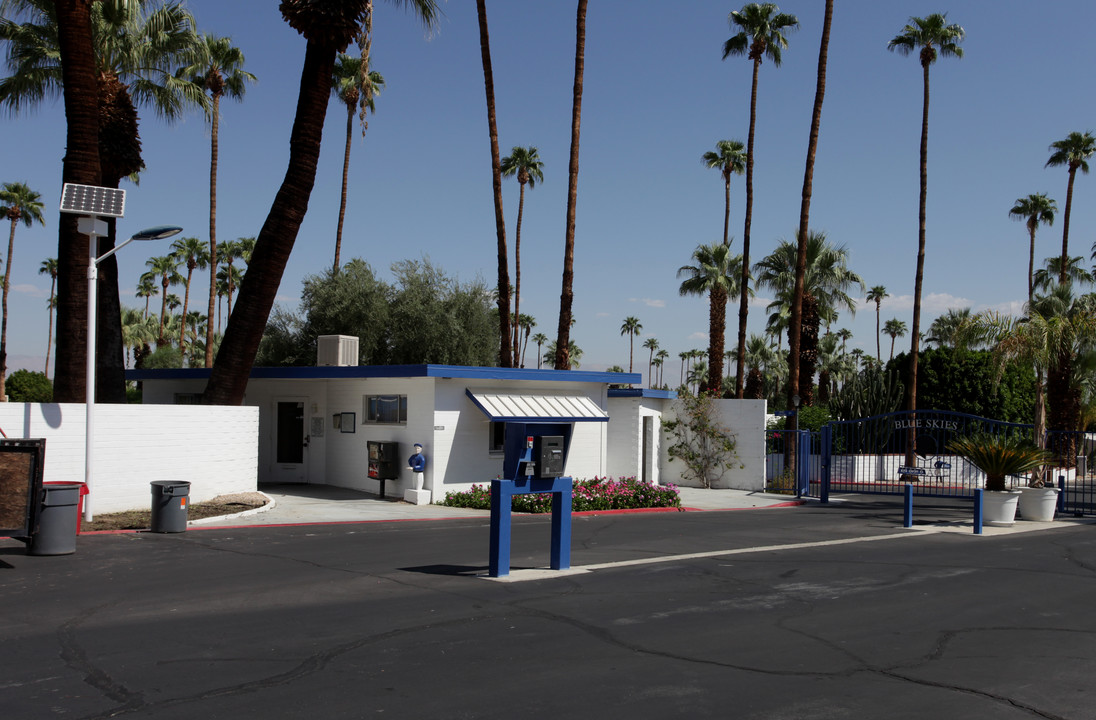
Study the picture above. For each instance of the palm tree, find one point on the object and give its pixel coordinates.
(525, 325)
(80, 165)
(137, 52)
(660, 359)
(762, 34)
(631, 328)
(876, 295)
(566, 298)
(356, 89)
(1034, 209)
(894, 328)
(166, 267)
(729, 157)
(845, 334)
(230, 278)
(827, 281)
(717, 274)
(138, 333)
(220, 72)
(574, 354)
(527, 166)
(539, 339)
(19, 204)
(1073, 152)
(652, 345)
(758, 356)
(1046, 277)
(505, 339)
(930, 36)
(794, 351)
(192, 253)
(954, 329)
(328, 28)
(1057, 327)
(49, 267)
(146, 288)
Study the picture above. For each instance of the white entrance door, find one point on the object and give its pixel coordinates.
(290, 441)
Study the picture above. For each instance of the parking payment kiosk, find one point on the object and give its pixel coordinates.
(534, 462)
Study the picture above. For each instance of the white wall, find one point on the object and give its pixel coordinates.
(746, 421)
(625, 436)
(211, 447)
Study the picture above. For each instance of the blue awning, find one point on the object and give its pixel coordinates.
(526, 407)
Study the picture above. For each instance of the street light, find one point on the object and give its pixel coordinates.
(95, 228)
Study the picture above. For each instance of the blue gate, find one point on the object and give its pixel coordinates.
(884, 453)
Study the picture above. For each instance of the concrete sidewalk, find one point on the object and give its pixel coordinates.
(311, 504)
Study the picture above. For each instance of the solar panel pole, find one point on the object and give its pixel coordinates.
(94, 228)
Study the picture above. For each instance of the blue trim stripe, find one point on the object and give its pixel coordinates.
(396, 371)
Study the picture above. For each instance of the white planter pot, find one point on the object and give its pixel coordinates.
(1038, 504)
(999, 508)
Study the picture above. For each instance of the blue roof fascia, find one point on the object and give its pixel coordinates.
(394, 371)
(642, 392)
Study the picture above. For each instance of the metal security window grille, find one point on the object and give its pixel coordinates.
(386, 409)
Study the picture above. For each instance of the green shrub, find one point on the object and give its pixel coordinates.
(28, 386)
(593, 494)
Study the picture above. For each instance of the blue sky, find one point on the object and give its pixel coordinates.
(657, 96)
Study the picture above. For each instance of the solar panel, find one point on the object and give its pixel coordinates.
(92, 200)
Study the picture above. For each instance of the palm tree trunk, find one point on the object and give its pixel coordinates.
(228, 379)
(727, 212)
(163, 313)
(4, 313)
(213, 152)
(744, 301)
(1031, 263)
(81, 165)
(49, 334)
(517, 274)
(566, 297)
(915, 343)
(505, 357)
(186, 301)
(803, 336)
(878, 351)
(1063, 274)
(717, 324)
(345, 179)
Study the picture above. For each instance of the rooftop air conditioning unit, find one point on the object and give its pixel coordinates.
(341, 350)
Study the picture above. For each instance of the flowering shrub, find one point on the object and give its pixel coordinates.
(593, 494)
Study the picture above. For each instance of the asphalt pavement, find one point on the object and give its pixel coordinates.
(805, 612)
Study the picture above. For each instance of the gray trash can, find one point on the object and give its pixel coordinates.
(169, 499)
(57, 520)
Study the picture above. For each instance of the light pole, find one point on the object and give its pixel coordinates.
(94, 229)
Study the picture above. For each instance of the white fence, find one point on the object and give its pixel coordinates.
(214, 448)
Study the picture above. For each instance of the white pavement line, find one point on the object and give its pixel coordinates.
(543, 573)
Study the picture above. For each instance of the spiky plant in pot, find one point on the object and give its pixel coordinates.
(999, 456)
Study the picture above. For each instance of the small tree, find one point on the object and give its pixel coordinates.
(699, 440)
(29, 386)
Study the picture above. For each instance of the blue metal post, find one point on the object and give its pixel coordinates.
(827, 458)
(978, 510)
(802, 462)
(907, 507)
(499, 561)
(1061, 493)
(561, 530)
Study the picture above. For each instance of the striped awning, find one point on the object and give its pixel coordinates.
(525, 407)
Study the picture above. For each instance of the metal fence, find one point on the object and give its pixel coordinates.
(1073, 471)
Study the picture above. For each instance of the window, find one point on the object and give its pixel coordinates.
(188, 398)
(496, 440)
(386, 409)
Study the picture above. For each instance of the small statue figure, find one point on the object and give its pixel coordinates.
(417, 464)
